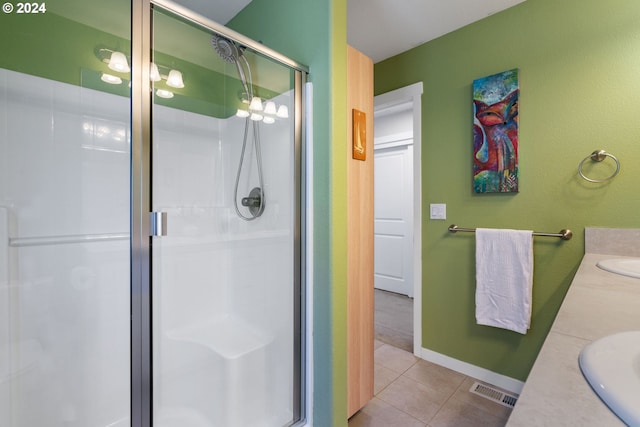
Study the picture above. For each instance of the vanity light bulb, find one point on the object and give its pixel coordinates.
(242, 113)
(154, 73)
(256, 104)
(174, 79)
(270, 108)
(256, 117)
(112, 80)
(164, 93)
(269, 120)
(283, 112)
(118, 62)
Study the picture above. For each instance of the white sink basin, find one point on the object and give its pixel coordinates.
(611, 365)
(625, 266)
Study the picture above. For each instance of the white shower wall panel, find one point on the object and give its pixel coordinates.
(190, 283)
(64, 152)
(5, 331)
(4, 139)
(68, 156)
(263, 279)
(185, 155)
(73, 301)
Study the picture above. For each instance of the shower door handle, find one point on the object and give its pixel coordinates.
(158, 224)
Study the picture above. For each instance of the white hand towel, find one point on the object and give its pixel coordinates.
(504, 278)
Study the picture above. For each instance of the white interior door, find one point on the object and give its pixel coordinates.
(394, 217)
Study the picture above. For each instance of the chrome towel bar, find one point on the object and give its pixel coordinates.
(564, 234)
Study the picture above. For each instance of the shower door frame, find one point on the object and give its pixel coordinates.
(141, 222)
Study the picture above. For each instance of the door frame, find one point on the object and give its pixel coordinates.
(412, 94)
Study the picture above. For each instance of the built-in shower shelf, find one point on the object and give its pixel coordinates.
(66, 239)
(111, 237)
(213, 239)
(229, 336)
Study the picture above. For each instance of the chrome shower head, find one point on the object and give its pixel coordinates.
(229, 52)
(225, 48)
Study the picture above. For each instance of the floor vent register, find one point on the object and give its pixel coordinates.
(493, 394)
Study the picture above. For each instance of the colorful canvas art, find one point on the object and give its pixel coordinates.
(495, 133)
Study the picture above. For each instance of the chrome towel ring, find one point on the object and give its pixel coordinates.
(598, 156)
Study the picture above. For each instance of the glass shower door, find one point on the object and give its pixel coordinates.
(226, 289)
(64, 215)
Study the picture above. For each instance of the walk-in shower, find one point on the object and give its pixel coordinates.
(145, 277)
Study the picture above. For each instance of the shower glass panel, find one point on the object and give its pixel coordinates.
(225, 275)
(64, 215)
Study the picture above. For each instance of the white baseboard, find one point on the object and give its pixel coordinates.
(485, 375)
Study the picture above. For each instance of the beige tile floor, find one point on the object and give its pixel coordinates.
(413, 392)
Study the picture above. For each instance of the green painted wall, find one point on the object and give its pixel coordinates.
(54, 47)
(314, 33)
(580, 83)
(58, 48)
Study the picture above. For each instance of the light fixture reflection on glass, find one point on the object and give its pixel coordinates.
(118, 62)
(120, 135)
(283, 112)
(256, 104)
(256, 117)
(242, 113)
(175, 79)
(154, 73)
(164, 93)
(270, 108)
(269, 120)
(108, 78)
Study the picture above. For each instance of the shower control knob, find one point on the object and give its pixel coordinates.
(255, 202)
(251, 201)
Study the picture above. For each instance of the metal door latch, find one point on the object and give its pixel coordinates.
(158, 223)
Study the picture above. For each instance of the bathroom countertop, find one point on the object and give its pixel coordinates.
(598, 303)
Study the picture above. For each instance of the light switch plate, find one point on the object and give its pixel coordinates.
(438, 211)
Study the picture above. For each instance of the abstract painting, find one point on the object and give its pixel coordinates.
(495, 133)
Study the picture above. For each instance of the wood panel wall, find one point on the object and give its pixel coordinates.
(359, 238)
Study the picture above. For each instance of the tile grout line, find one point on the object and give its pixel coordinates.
(392, 346)
(400, 409)
(453, 393)
(450, 397)
(390, 382)
(399, 374)
(418, 382)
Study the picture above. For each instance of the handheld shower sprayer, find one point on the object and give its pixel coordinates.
(225, 48)
(229, 52)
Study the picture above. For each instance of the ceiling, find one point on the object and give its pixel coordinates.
(378, 28)
(383, 28)
(221, 11)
